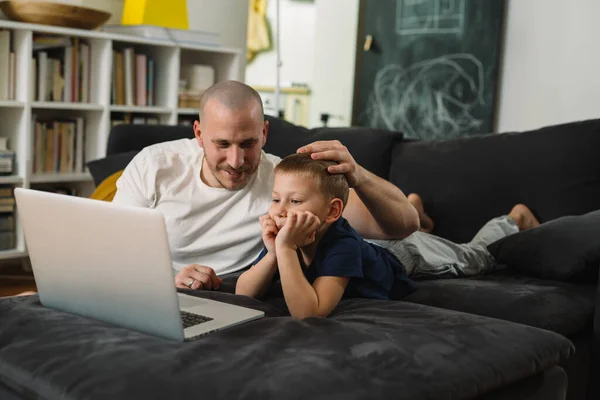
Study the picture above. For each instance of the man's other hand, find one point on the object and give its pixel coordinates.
(197, 277)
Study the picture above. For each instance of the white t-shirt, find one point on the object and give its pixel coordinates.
(209, 226)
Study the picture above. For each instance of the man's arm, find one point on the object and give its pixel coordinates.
(137, 187)
(376, 208)
(379, 210)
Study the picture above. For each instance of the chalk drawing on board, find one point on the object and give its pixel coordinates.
(416, 17)
(431, 99)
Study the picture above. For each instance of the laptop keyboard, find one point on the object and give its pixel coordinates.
(190, 319)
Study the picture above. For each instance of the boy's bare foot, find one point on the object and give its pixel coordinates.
(523, 217)
(426, 221)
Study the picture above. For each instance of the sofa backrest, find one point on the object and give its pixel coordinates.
(372, 148)
(465, 182)
(125, 138)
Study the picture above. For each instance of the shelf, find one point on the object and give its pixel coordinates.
(53, 178)
(187, 111)
(121, 37)
(283, 90)
(13, 253)
(10, 179)
(211, 49)
(11, 104)
(141, 109)
(54, 30)
(58, 105)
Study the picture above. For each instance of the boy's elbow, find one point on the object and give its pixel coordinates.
(303, 314)
(244, 290)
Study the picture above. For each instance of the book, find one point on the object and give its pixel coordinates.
(4, 64)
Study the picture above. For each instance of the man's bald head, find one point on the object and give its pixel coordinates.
(232, 94)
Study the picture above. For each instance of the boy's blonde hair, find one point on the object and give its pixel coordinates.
(330, 185)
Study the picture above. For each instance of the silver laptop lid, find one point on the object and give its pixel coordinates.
(101, 260)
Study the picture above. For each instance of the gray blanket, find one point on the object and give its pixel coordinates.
(366, 349)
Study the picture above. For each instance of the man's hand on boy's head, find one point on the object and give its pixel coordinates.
(333, 150)
(269, 232)
(299, 230)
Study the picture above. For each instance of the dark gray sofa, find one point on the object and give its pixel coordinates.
(499, 336)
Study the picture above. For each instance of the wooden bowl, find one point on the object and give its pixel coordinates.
(43, 12)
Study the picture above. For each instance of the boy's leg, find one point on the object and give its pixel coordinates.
(428, 256)
(520, 218)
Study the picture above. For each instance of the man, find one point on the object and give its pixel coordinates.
(213, 189)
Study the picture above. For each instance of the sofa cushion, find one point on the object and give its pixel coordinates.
(107, 189)
(371, 148)
(465, 182)
(124, 138)
(102, 168)
(370, 348)
(567, 248)
(561, 307)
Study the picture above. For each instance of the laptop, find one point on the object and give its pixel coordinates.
(112, 263)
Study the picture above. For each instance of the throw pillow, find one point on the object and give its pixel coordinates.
(105, 167)
(567, 248)
(107, 189)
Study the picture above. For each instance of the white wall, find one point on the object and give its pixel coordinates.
(229, 18)
(551, 67)
(335, 54)
(318, 46)
(297, 35)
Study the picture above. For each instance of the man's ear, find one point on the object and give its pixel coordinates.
(336, 207)
(198, 133)
(265, 132)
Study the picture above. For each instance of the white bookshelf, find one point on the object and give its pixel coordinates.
(141, 109)
(12, 104)
(60, 105)
(17, 114)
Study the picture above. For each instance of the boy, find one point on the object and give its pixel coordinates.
(318, 255)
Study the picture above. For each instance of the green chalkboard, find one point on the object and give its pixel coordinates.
(431, 70)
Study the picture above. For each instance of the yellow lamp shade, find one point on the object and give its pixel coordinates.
(165, 13)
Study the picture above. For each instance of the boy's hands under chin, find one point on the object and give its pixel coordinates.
(299, 230)
(269, 232)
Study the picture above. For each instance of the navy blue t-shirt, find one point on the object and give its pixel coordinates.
(373, 271)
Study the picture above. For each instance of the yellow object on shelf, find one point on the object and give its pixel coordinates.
(168, 14)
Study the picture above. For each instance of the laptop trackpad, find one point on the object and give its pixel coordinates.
(186, 301)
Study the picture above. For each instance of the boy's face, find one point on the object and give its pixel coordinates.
(295, 192)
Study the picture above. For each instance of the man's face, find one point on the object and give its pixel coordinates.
(232, 143)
